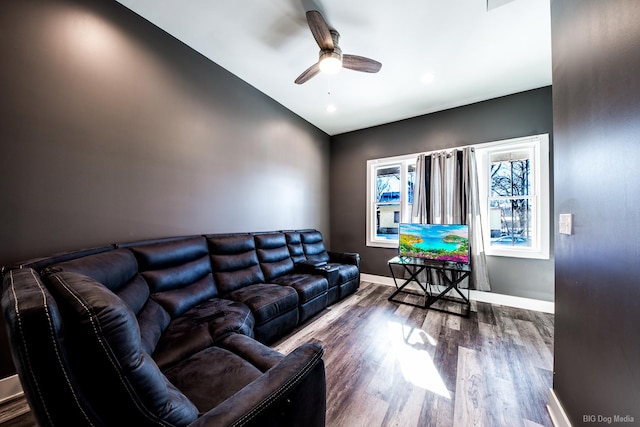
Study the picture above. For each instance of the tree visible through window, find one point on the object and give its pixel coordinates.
(510, 202)
(513, 178)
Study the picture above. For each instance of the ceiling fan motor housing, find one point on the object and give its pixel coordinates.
(330, 61)
(336, 52)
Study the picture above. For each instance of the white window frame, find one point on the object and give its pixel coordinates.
(538, 145)
(405, 210)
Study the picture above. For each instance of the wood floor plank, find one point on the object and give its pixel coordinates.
(406, 411)
(375, 408)
(505, 321)
(470, 406)
(540, 354)
(485, 313)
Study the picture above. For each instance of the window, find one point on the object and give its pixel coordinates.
(513, 179)
(390, 183)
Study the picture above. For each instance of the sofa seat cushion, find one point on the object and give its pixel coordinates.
(200, 328)
(346, 272)
(307, 286)
(266, 301)
(181, 340)
(211, 376)
(236, 318)
(258, 354)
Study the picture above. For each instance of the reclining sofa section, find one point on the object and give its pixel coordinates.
(172, 331)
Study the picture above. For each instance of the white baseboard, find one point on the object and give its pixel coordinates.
(380, 280)
(10, 388)
(481, 296)
(556, 412)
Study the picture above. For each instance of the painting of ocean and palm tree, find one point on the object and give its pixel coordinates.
(435, 242)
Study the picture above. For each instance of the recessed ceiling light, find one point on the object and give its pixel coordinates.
(331, 108)
(427, 78)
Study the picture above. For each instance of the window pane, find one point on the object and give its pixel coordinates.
(387, 219)
(510, 222)
(411, 177)
(510, 178)
(388, 184)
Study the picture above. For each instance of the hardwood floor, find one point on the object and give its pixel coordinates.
(390, 364)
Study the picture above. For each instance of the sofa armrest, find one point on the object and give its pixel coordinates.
(352, 258)
(292, 392)
(312, 263)
(329, 272)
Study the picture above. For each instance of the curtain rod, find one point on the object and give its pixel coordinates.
(474, 146)
(488, 144)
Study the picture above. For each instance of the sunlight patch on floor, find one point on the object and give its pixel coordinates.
(411, 348)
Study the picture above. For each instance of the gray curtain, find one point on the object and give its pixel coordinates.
(419, 208)
(471, 209)
(446, 192)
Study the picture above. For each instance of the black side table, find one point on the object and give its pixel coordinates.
(451, 274)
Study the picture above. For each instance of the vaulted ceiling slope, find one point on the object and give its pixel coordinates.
(435, 54)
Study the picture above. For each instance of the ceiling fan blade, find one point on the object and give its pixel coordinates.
(308, 73)
(320, 30)
(360, 63)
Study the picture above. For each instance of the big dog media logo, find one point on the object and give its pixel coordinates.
(604, 419)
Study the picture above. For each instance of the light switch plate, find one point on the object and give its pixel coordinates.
(566, 224)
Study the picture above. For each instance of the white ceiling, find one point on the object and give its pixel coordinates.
(472, 50)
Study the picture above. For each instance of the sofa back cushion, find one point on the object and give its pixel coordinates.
(117, 270)
(121, 380)
(39, 264)
(234, 261)
(113, 268)
(273, 255)
(178, 273)
(294, 243)
(313, 245)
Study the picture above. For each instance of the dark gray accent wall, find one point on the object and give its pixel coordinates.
(596, 106)
(517, 115)
(112, 130)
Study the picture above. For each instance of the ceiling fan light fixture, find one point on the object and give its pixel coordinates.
(330, 62)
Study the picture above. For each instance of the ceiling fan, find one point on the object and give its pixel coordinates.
(331, 58)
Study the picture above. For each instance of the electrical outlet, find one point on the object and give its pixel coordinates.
(566, 224)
